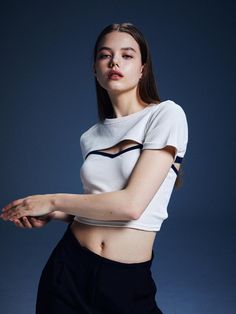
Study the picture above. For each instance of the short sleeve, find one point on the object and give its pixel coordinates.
(167, 127)
(82, 147)
(87, 140)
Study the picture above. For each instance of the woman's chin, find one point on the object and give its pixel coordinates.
(114, 89)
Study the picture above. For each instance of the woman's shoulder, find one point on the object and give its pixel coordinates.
(167, 106)
(167, 110)
(89, 131)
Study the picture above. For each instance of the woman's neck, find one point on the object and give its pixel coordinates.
(126, 103)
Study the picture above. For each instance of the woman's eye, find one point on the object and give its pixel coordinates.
(106, 56)
(103, 56)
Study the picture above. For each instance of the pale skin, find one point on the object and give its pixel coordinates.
(129, 203)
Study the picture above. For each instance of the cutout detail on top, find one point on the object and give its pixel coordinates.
(127, 145)
(118, 149)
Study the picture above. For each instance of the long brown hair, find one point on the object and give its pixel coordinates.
(147, 88)
(147, 85)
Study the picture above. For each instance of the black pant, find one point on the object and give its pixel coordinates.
(75, 280)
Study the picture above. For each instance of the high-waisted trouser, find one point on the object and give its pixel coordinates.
(76, 280)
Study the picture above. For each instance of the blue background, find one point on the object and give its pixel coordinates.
(48, 99)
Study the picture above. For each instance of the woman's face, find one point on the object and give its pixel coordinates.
(120, 52)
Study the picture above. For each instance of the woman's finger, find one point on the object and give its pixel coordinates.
(26, 222)
(37, 223)
(8, 214)
(18, 223)
(12, 204)
(15, 213)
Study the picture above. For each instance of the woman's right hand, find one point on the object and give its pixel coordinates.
(33, 222)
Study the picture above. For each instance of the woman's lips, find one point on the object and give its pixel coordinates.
(114, 77)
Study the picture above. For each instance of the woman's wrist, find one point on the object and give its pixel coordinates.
(57, 214)
(56, 201)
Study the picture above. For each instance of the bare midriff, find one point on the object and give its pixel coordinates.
(122, 244)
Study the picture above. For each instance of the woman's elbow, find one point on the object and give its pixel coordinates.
(132, 209)
(132, 214)
(135, 215)
(128, 214)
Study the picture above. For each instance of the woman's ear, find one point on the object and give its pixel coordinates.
(142, 68)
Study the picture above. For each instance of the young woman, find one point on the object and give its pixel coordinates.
(131, 158)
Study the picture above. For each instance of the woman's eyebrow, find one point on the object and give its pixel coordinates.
(107, 48)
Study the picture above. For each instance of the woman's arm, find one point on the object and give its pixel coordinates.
(103, 206)
(127, 204)
(40, 221)
(58, 215)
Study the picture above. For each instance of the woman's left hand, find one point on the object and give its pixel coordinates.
(35, 205)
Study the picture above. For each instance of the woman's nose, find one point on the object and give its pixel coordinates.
(114, 61)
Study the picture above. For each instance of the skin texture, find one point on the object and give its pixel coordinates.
(123, 92)
(127, 61)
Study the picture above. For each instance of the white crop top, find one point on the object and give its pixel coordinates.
(153, 127)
